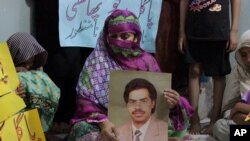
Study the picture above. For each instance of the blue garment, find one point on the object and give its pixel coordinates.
(41, 93)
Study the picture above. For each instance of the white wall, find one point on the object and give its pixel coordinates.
(244, 22)
(245, 16)
(15, 16)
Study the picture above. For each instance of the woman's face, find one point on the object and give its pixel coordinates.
(124, 36)
(245, 55)
(27, 64)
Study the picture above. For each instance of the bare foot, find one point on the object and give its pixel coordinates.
(195, 127)
(208, 129)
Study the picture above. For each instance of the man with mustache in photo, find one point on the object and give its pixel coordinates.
(140, 97)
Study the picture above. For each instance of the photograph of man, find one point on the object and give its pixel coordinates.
(140, 97)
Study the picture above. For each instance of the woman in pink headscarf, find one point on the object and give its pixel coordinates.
(118, 48)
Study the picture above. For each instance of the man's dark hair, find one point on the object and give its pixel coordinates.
(139, 83)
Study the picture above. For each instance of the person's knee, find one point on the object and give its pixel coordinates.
(194, 71)
(219, 78)
(221, 130)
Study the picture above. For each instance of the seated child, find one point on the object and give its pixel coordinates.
(36, 88)
(235, 107)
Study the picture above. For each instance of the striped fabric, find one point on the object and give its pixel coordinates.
(24, 46)
(137, 135)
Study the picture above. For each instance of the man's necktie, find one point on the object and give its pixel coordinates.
(137, 135)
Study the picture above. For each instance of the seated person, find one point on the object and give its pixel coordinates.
(36, 88)
(234, 108)
(118, 48)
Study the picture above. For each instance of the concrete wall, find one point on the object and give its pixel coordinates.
(15, 16)
(244, 23)
(245, 16)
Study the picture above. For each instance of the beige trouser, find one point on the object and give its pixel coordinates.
(221, 129)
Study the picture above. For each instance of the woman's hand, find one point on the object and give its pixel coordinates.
(240, 107)
(172, 98)
(233, 111)
(108, 131)
(21, 91)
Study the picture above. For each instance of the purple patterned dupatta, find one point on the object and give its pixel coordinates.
(92, 88)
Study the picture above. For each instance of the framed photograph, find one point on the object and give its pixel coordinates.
(118, 112)
(136, 96)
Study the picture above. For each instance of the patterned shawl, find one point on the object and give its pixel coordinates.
(92, 88)
(41, 93)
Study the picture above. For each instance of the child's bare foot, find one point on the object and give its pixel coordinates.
(208, 129)
(195, 127)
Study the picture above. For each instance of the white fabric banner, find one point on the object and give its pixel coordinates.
(81, 21)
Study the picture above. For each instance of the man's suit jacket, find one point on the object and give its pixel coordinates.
(157, 131)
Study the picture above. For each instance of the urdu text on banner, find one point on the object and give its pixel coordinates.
(81, 21)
